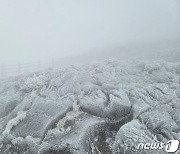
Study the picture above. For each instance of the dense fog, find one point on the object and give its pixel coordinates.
(37, 30)
(89, 76)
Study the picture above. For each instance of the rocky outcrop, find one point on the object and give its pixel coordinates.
(103, 108)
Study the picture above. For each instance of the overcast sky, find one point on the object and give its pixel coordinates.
(41, 29)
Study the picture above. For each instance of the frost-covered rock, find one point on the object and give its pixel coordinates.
(14, 122)
(113, 105)
(177, 91)
(130, 136)
(80, 109)
(78, 139)
(119, 105)
(8, 101)
(159, 119)
(175, 114)
(33, 83)
(139, 108)
(40, 118)
(94, 103)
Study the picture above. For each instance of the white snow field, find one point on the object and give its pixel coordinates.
(104, 107)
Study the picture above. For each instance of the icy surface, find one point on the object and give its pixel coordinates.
(104, 107)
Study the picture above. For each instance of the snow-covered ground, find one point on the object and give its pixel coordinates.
(104, 107)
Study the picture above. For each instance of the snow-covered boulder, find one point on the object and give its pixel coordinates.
(77, 139)
(113, 105)
(119, 105)
(130, 136)
(41, 117)
(159, 119)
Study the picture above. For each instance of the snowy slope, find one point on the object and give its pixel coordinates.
(104, 107)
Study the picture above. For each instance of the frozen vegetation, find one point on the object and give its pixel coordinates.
(102, 108)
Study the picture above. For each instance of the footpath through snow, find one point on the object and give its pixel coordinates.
(105, 107)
